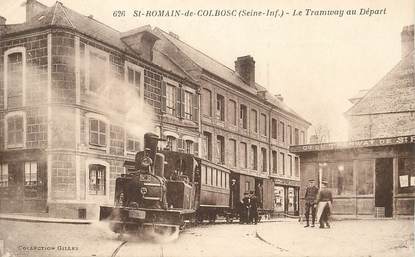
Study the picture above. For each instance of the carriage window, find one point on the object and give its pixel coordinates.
(214, 177)
(97, 132)
(4, 175)
(96, 179)
(30, 173)
(204, 175)
(209, 176)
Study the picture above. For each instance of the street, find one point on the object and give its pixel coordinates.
(281, 238)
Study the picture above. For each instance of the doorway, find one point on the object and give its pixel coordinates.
(384, 185)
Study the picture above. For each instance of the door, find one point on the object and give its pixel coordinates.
(384, 185)
(15, 188)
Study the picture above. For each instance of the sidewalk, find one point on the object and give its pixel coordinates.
(41, 218)
(344, 238)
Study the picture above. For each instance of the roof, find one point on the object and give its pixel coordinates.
(61, 16)
(207, 63)
(395, 92)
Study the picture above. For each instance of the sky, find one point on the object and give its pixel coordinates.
(316, 62)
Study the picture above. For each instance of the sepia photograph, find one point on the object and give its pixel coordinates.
(207, 128)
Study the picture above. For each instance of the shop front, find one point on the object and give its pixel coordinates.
(368, 177)
(286, 196)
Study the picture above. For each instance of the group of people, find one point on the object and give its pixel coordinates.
(319, 203)
(248, 210)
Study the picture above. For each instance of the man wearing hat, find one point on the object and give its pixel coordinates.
(310, 202)
(324, 202)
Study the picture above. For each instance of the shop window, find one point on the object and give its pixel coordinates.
(4, 175)
(279, 199)
(274, 128)
(207, 145)
(207, 102)
(254, 121)
(264, 160)
(15, 130)
(243, 155)
(274, 162)
(263, 125)
(15, 63)
(30, 173)
(232, 152)
(97, 132)
(243, 116)
(339, 177)
(254, 157)
(220, 107)
(220, 149)
(365, 175)
(133, 144)
(406, 175)
(97, 179)
(232, 112)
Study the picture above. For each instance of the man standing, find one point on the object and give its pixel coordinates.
(254, 208)
(310, 202)
(324, 201)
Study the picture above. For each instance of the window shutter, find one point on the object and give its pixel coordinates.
(182, 111)
(195, 111)
(178, 101)
(163, 96)
(196, 148)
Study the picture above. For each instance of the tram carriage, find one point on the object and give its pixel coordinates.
(164, 189)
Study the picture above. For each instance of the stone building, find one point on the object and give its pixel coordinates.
(243, 127)
(72, 93)
(373, 173)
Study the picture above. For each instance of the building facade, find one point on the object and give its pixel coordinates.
(76, 97)
(372, 174)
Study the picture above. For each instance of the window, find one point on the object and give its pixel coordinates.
(15, 62)
(290, 164)
(133, 144)
(282, 163)
(207, 102)
(282, 131)
(365, 175)
(274, 162)
(220, 144)
(30, 173)
(96, 179)
(290, 134)
(264, 160)
(135, 78)
(220, 107)
(339, 177)
(274, 128)
(207, 145)
(243, 116)
(15, 131)
(232, 152)
(209, 176)
(188, 104)
(297, 166)
(97, 70)
(254, 157)
(232, 112)
(188, 146)
(243, 155)
(302, 138)
(254, 121)
(4, 175)
(406, 175)
(296, 136)
(97, 132)
(263, 124)
(170, 99)
(171, 143)
(204, 175)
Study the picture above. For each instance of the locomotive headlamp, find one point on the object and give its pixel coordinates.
(143, 190)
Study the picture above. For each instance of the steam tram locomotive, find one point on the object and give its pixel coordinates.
(164, 189)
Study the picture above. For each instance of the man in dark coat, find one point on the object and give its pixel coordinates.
(310, 202)
(254, 208)
(246, 208)
(324, 201)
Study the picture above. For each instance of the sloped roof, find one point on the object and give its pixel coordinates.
(59, 15)
(395, 92)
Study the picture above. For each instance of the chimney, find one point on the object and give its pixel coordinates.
(245, 67)
(407, 40)
(2, 20)
(33, 8)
